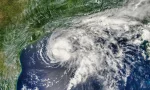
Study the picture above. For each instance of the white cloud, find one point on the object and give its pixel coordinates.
(91, 45)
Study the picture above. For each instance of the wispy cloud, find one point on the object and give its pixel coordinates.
(96, 44)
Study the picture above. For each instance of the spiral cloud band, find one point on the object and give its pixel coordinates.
(98, 45)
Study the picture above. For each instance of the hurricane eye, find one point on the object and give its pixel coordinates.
(113, 47)
(60, 50)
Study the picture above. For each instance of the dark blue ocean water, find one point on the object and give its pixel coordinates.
(44, 75)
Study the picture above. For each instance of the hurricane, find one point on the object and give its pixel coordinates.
(104, 45)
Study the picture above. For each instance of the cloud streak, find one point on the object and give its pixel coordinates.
(98, 45)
